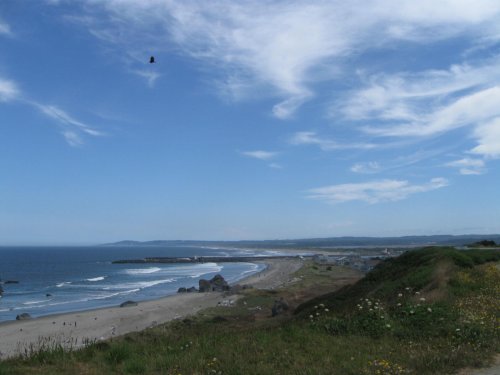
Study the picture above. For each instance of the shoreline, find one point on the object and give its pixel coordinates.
(75, 329)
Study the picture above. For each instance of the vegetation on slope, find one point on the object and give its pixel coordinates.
(426, 312)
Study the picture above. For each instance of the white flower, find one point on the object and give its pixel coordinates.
(429, 309)
(400, 295)
(422, 299)
(326, 310)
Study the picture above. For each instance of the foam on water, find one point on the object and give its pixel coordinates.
(64, 283)
(142, 271)
(100, 278)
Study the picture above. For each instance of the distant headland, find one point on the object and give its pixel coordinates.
(329, 242)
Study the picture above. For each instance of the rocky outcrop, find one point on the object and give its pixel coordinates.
(23, 316)
(128, 304)
(215, 284)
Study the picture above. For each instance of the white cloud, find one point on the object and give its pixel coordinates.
(4, 28)
(468, 166)
(284, 46)
(366, 167)
(262, 155)
(468, 110)
(311, 138)
(488, 137)
(8, 90)
(71, 128)
(432, 103)
(150, 76)
(374, 191)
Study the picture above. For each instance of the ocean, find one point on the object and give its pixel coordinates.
(55, 280)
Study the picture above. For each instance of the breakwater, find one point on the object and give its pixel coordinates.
(206, 259)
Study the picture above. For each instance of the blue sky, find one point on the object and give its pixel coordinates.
(259, 119)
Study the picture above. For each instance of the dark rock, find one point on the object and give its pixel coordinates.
(48, 295)
(192, 289)
(182, 290)
(204, 286)
(215, 284)
(23, 316)
(279, 307)
(11, 282)
(128, 304)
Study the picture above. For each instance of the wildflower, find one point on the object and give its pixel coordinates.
(398, 304)
(321, 305)
(326, 310)
(412, 312)
(417, 293)
(400, 295)
(315, 307)
(422, 299)
(407, 288)
(311, 317)
(388, 325)
(317, 314)
(457, 330)
(429, 309)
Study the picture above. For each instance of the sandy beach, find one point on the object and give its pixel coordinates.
(75, 329)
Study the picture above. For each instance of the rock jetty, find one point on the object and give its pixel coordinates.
(205, 259)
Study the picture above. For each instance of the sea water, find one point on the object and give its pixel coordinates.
(62, 279)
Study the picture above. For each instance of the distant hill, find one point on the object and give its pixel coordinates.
(331, 242)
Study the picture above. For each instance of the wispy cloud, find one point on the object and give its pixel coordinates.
(259, 154)
(374, 191)
(488, 139)
(366, 167)
(311, 138)
(4, 28)
(72, 129)
(8, 90)
(286, 47)
(468, 166)
(149, 75)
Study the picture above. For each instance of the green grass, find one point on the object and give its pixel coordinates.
(454, 326)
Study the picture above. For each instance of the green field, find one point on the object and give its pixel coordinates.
(429, 311)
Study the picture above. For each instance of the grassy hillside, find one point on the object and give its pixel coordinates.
(429, 311)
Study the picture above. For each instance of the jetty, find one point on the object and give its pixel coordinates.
(209, 259)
